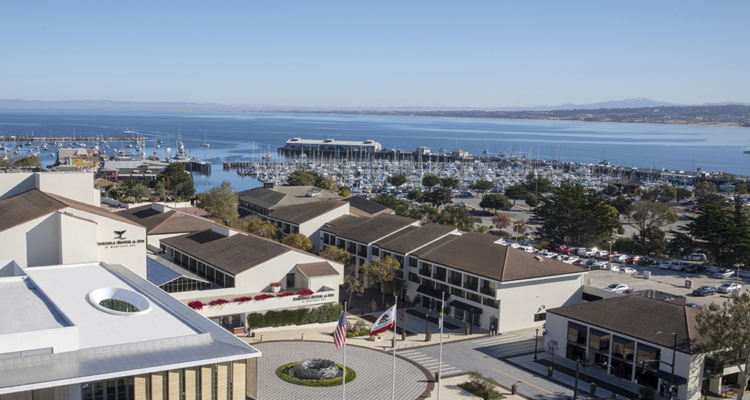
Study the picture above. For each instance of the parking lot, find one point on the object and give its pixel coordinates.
(668, 281)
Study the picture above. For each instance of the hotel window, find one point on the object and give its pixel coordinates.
(413, 277)
(220, 278)
(623, 348)
(326, 238)
(193, 264)
(210, 274)
(375, 252)
(540, 317)
(289, 281)
(400, 260)
(229, 281)
(576, 333)
(201, 269)
(457, 292)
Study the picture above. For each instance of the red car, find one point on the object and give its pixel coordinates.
(560, 248)
(633, 260)
(568, 250)
(692, 209)
(579, 262)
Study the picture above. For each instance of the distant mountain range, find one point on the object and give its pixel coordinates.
(106, 105)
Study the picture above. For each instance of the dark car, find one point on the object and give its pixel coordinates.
(695, 269)
(648, 261)
(704, 291)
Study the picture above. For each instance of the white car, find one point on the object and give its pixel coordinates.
(569, 259)
(601, 254)
(584, 252)
(729, 287)
(665, 265)
(617, 287)
(515, 245)
(550, 255)
(628, 270)
(618, 258)
(527, 249)
(679, 266)
(724, 273)
(696, 257)
(614, 268)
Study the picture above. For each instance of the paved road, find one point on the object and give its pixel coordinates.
(483, 355)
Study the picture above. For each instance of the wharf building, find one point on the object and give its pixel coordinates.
(310, 147)
(619, 335)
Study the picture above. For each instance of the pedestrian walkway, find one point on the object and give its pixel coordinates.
(527, 362)
(508, 344)
(449, 390)
(432, 364)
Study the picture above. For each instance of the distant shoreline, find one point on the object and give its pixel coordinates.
(418, 115)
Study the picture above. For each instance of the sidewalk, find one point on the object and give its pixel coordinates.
(449, 390)
(385, 343)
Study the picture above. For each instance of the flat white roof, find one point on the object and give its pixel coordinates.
(330, 142)
(68, 288)
(169, 336)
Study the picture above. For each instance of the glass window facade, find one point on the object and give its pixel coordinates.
(184, 285)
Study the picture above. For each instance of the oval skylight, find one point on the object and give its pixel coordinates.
(119, 301)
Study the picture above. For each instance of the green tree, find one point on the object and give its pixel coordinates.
(683, 194)
(723, 233)
(345, 191)
(572, 216)
(648, 218)
(532, 201)
(620, 203)
(381, 273)
(387, 200)
(327, 183)
(662, 193)
(161, 191)
(353, 285)
(336, 254)
(415, 194)
(438, 197)
(740, 188)
(482, 186)
(536, 185)
(704, 189)
(220, 202)
(430, 181)
(517, 192)
(302, 178)
(259, 227)
(611, 190)
(726, 335)
(298, 241)
(495, 201)
(460, 217)
(28, 161)
(177, 181)
(139, 191)
(449, 183)
(397, 180)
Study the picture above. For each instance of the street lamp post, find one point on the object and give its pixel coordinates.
(535, 342)
(674, 354)
(575, 386)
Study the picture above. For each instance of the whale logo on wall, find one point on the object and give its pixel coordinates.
(119, 234)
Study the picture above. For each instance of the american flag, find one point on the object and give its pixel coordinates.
(339, 335)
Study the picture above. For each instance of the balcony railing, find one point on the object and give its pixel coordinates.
(440, 277)
(455, 281)
(424, 272)
(471, 286)
(488, 291)
(362, 254)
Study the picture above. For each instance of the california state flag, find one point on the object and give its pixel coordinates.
(385, 322)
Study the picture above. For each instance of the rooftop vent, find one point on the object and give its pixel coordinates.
(539, 258)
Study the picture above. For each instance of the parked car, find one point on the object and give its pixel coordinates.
(601, 254)
(665, 265)
(692, 208)
(617, 287)
(704, 291)
(729, 287)
(569, 259)
(569, 250)
(618, 258)
(584, 252)
(693, 305)
(614, 267)
(633, 260)
(533, 222)
(678, 266)
(724, 273)
(648, 261)
(695, 269)
(628, 270)
(695, 257)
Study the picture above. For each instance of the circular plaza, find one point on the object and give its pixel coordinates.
(374, 371)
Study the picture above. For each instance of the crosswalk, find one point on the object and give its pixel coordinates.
(432, 364)
(504, 345)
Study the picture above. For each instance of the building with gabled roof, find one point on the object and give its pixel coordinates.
(620, 336)
(263, 200)
(240, 265)
(162, 222)
(307, 218)
(363, 207)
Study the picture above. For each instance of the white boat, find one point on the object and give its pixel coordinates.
(205, 143)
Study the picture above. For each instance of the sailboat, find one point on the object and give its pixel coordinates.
(204, 144)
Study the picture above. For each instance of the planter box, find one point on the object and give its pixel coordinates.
(293, 327)
(237, 331)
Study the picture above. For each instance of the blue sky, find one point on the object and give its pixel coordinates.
(380, 54)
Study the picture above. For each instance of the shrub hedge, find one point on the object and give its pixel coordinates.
(283, 373)
(325, 313)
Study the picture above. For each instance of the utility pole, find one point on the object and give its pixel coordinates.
(535, 342)
(575, 386)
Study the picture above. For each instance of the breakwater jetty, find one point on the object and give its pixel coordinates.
(72, 138)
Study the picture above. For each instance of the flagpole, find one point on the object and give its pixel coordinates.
(343, 390)
(440, 359)
(395, 323)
